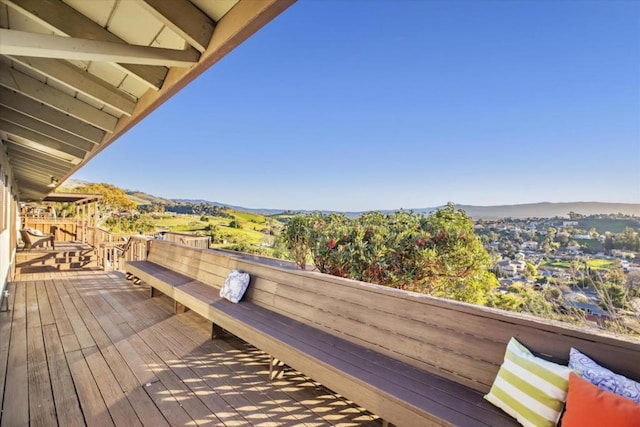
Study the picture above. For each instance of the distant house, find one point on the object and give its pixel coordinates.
(570, 223)
(582, 236)
(530, 246)
(593, 312)
(511, 268)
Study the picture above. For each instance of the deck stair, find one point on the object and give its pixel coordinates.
(66, 256)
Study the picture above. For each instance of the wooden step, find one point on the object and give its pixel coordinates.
(64, 257)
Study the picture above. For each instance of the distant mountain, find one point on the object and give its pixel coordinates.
(540, 210)
(72, 184)
(234, 207)
(549, 210)
(142, 198)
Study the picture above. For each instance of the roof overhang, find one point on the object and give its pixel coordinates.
(77, 198)
(77, 74)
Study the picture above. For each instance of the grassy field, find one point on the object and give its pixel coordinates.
(589, 243)
(250, 231)
(557, 264)
(600, 264)
(593, 263)
(607, 224)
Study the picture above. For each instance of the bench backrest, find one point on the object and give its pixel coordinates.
(459, 341)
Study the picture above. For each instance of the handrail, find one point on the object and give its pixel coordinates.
(112, 255)
(187, 239)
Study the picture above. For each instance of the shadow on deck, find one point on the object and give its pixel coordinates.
(88, 347)
(66, 256)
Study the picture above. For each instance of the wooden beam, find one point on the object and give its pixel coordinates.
(184, 18)
(46, 114)
(45, 129)
(27, 193)
(24, 165)
(15, 150)
(40, 161)
(24, 161)
(63, 19)
(38, 191)
(80, 81)
(48, 46)
(26, 85)
(48, 145)
(26, 170)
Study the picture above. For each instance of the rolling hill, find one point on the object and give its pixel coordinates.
(541, 210)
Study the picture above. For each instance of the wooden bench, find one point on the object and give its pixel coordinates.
(408, 358)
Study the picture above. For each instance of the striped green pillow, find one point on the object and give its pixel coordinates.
(530, 389)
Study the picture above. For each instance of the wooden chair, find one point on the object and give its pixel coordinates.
(34, 240)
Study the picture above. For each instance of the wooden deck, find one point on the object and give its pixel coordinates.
(90, 348)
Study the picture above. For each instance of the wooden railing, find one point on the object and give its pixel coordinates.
(112, 255)
(63, 229)
(186, 239)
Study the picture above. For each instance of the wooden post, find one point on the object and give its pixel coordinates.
(179, 308)
(216, 331)
(276, 368)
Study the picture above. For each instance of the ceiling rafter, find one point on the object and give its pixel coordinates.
(48, 144)
(184, 18)
(45, 129)
(29, 171)
(33, 88)
(23, 163)
(63, 19)
(49, 46)
(51, 116)
(80, 81)
(17, 151)
(33, 189)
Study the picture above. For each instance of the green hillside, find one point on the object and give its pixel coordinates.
(238, 229)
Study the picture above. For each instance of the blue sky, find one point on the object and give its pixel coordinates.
(360, 105)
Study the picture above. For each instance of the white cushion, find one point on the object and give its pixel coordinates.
(530, 389)
(235, 286)
(33, 231)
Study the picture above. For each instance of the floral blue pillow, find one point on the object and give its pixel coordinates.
(602, 377)
(235, 286)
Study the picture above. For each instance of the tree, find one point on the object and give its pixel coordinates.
(613, 295)
(113, 198)
(439, 254)
(295, 236)
(632, 284)
(531, 270)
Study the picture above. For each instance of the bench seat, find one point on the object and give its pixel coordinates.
(318, 354)
(157, 276)
(309, 350)
(411, 359)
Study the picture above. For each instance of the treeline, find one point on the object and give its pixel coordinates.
(628, 240)
(199, 209)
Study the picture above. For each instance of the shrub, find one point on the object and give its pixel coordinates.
(438, 254)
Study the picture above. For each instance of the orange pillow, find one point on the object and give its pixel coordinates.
(588, 405)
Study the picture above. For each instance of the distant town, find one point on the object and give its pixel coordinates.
(566, 253)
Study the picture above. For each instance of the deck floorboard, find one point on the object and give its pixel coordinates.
(90, 348)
